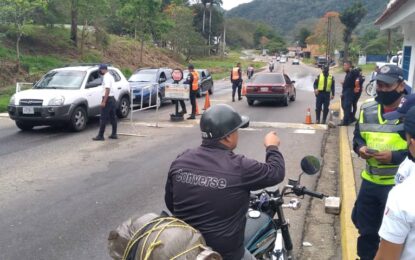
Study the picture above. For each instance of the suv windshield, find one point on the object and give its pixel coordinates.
(62, 79)
(144, 76)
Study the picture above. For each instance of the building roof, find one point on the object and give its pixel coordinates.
(393, 7)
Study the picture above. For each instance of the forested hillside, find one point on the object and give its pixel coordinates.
(285, 15)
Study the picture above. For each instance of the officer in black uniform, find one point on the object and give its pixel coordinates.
(209, 186)
(347, 92)
(192, 92)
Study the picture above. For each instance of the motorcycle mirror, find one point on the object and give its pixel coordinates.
(310, 165)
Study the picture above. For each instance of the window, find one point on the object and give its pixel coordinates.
(62, 79)
(115, 75)
(163, 77)
(287, 79)
(406, 61)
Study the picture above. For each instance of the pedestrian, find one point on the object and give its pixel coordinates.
(397, 231)
(324, 89)
(407, 167)
(177, 76)
(374, 73)
(271, 65)
(347, 95)
(382, 144)
(357, 92)
(108, 105)
(193, 80)
(236, 79)
(250, 71)
(215, 200)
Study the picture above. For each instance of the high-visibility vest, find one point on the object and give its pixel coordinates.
(235, 73)
(381, 135)
(195, 83)
(321, 82)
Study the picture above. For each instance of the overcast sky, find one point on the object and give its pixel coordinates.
(229, 4)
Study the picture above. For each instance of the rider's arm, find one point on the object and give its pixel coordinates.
(389, 251)
(257, 175)
(333, 88)
(399, 156)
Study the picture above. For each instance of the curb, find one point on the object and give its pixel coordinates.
(4, 115)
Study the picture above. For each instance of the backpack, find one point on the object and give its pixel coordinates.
(151, 237)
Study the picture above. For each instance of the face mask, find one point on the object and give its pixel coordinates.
(387, 98)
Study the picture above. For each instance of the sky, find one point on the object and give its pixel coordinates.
(229, 4)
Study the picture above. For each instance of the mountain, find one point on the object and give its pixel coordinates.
(284, 15)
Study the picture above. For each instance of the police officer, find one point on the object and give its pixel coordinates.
(193, 81)
(236, 79)
(398, 224)
(177, 76)
(324, 89)
(347, 92)
(208, 187)
(357, 92)
(382, 144)
(107, 105)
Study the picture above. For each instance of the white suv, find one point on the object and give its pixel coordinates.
(67, 95)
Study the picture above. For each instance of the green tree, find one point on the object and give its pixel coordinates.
(351, 17)
(19, 13)
(302, 36)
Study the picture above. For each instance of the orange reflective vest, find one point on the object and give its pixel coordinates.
(235, 73)
(195, 82)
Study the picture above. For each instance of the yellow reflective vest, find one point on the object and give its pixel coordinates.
(321, 82)
(381, 135)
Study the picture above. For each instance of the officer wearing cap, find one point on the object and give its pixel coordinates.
(382, 144)
(209, 186)
(398, 224)
(108, 105)
(324, 89)
(193, 80)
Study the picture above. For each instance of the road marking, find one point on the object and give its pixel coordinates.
(305, 131)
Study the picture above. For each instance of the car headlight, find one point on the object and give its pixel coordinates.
(13, 100)
(57, 101)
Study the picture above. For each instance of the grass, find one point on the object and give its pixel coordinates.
(220, 67)
(5, 96)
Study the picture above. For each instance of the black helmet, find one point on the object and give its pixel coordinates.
(220, 121)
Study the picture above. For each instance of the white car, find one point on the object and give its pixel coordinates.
(283, 59)
(68, 95)
(295, 62)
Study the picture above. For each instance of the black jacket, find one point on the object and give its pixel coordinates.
(208, 187)
(349, 81)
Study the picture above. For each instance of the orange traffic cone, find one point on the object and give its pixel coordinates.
(197, 109)
(243, 90)
(207, 101)
(308, 117)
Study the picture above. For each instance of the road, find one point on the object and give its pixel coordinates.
(62, 193)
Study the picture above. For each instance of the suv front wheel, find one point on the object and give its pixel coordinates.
(78, 119)
(124, 107)
(24, 126)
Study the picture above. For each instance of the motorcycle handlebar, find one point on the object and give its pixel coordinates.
(305, 191)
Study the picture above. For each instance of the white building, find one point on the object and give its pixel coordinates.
(401, 14)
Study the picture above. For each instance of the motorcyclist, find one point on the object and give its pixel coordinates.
(209, 186)
(271, 65)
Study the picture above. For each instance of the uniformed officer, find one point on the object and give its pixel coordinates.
(108, 104)
(324, 89)
(236, 79)
(193, 81)
(347, 95)
(208, 187)
(398, 224)
(382, 144)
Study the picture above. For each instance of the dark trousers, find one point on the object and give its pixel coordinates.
(182, 105)
(108, 114)
(192, 97)
(367, 217)
(236, 85)
(356, 98)
(347, 102)
(322, 102)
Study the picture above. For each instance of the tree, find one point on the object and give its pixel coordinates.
(351, 17)
(302, 36)
(19, 13)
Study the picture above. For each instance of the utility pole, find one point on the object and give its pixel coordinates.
(224, 39)
(328, 45)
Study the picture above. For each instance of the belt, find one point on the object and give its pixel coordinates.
(381, 171)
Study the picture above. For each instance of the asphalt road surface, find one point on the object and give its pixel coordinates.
(62, 193)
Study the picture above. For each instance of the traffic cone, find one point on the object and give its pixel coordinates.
(197, 109)
(308, 117)
(207, 101)
(243, 90)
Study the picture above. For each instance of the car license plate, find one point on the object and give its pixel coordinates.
(28, 110)
(264, 89)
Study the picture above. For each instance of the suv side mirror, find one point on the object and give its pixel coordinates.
(292, 81)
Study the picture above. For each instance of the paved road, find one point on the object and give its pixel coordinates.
(61, 193)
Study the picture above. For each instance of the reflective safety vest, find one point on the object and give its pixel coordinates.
(321, 82)
(381, 135)
(195, 83)
(235, 73)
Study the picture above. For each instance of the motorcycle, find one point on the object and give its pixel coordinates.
(267, 237)
(371, 88)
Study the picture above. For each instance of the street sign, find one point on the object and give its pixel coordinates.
(177, 91)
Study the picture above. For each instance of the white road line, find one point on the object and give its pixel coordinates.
(304, 131)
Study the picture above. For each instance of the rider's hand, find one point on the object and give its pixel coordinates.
(271, 139)
(316, 92)
(364, 154)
